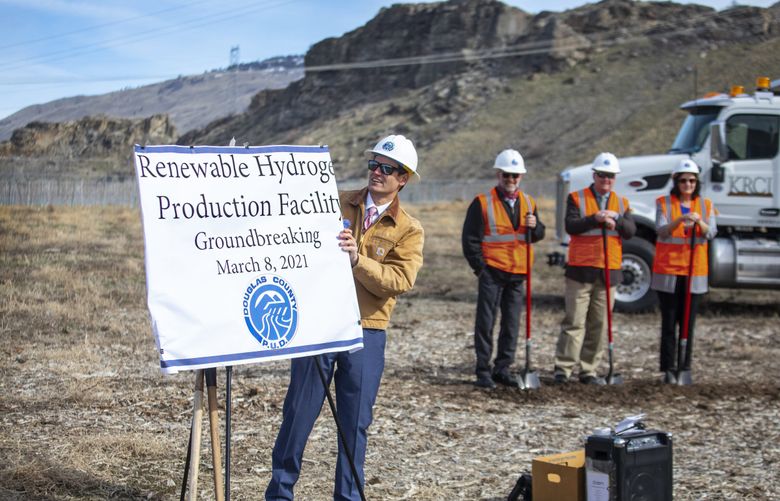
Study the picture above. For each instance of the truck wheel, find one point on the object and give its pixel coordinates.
(634, 293)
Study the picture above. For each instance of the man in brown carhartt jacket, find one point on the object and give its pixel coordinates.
(384, 245)
(389, 256)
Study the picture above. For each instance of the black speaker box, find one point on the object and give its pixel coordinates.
(633, 466)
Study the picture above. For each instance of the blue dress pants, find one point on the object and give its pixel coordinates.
(357, 377)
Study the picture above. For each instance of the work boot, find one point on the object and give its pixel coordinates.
(560, 378)
(593, 380)
(484, 382)
(506, 379)
(670, 377)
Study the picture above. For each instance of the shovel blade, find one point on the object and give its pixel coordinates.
(531, 380)
(614, 379)
(684, 378)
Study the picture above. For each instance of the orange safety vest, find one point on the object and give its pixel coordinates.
(587, 249)
(503, 247)
(673, 253)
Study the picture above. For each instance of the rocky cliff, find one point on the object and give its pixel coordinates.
(88, 138)
(430, 70)
(405, 47)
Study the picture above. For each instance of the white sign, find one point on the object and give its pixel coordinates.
(242, 257)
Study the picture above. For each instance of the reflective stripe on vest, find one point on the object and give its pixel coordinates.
(673, 253)
(587, 249)
(503, 247)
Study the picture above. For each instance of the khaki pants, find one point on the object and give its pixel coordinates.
(584, 328)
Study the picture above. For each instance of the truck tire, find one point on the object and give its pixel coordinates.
(634, 293)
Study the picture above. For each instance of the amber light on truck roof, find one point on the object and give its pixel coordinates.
(762, 83)
(736, 90)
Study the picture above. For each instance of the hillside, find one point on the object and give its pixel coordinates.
(466, 78)
(190, 101)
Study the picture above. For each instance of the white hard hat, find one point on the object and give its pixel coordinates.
(606, 162)
(686, 166)
(399, 149)
(510, 161)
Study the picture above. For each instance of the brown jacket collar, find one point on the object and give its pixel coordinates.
(358, 199)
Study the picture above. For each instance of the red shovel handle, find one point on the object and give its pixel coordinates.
(528, 281)
(606, 281)
(687, 318)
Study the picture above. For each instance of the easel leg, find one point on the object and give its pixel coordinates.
(216, 446)
(186, 468)
(197, 421)
(228, 407)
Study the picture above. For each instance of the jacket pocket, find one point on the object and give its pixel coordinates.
(377, 248)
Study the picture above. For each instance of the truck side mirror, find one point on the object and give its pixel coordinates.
(718, 152)
(717, 173)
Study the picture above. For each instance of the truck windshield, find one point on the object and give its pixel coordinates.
(694, 129)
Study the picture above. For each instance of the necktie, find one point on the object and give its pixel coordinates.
(369, 219)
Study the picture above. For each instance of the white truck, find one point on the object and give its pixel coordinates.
(734, 139)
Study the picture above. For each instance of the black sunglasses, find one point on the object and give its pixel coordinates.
(507, 175)
(691, 180)
(605, 175)
(385, 169)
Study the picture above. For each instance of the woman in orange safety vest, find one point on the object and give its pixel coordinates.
(677, 214)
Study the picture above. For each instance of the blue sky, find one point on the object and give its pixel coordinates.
(60, 48)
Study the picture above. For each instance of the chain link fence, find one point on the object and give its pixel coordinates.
(29, 190)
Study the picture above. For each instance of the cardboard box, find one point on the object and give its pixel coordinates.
(560, 477)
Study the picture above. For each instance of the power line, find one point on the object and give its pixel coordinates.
(98, 26)
(196, 22)
(87, 79)
(121, 78)
(604, 39)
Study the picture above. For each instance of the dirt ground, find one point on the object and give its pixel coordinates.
(85, 413)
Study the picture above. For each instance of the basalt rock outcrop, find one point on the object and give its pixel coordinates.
(90, 137)
(407, 47)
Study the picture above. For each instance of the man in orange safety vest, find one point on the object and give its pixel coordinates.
(588, 212)
(494, 244)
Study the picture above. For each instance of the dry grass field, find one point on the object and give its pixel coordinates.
(86, 415)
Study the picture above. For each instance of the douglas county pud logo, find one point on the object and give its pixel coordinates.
(271, 311)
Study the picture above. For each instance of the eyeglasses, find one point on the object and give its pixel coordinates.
(385, 169)
(605, 175)
(507, 175)
(687, 180)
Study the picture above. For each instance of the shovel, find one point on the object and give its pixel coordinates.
(530, 377)
(684, 376)
(612, 378)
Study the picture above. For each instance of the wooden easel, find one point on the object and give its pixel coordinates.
(193, 451)
(192, 462)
